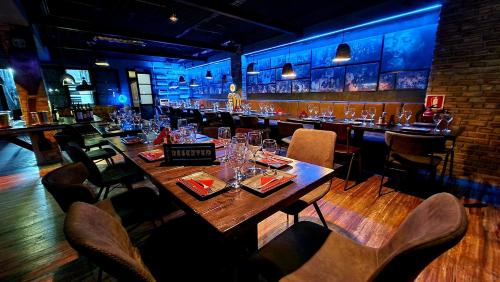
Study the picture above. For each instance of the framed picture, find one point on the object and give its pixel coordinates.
(434, 101)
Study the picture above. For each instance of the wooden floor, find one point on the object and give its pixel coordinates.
(32, 245)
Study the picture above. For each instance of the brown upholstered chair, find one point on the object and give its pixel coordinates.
(211, 131)
(411, 151)
(309, 252)
(243, 130)
(249, 122)
(316, 147)
(66, 185)
(124, 173)
(344, 148)
(100, 237)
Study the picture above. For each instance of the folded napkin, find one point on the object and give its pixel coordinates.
(273, 161)
(267, 183)
(196, 186)
(159, 139)
(279, 110)
(303, 114)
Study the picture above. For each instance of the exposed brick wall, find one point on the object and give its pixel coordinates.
(466, 68)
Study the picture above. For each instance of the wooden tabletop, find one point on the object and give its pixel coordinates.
(60, 124)
(230, 212)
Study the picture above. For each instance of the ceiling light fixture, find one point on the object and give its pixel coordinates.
(182, 80)
(208, 75)
(101, 63)
(343, 53)
(251, 69)
(173, 18)
(287, 71)
(193, 83)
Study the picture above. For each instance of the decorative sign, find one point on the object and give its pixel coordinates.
(189, 154)
(434, 101)
(163, 102)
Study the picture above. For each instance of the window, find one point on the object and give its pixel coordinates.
(145, 91)
(80, 97)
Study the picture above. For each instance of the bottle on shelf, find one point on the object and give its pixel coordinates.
(90, 113)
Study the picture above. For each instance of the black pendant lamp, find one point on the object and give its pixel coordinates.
(343, 53)
(287, 71)
(208, 75)
(251, 69)
(182, 80)
(192, 83)
(84, 86)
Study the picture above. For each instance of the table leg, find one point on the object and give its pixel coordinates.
(46, 151)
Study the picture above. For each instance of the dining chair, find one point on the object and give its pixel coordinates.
(99, 154)
(66, 185)
(316, 147)
(249, 122)
(309, 252)
(85, 143)
(343, 147)
(411, 152)
(210, 131)
(124, 173)
(285, 132)
(212, 119)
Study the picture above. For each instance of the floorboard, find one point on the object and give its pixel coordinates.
(32, 244)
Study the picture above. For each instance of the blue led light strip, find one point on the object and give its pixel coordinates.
(211, 63)
(430, 8)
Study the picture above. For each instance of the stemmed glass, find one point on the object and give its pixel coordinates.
(194, 128)
(372, 111)
(155, 127)
(316, 112)
(353, 115)
(137, 120)
(236, 160)
(224, 134)
(437, 118)
(364, 115)
(407, 115)
(346, 113)
(310, 109)
(448, 118)
(261, 107)
(181, 123)
(330, 113)
(269, 148)
(271, 109)
(323, 115)
(254, 146)
(146, 129)
(400, 115)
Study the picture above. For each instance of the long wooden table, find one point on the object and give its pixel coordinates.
(232, 214)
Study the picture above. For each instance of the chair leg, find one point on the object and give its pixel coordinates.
(106, 192)
(320, 214)
(360, 168)
(296, 218)
(381, 181)
(346, 181)
(100, 192)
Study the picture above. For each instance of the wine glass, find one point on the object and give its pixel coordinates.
(236, 159)
(194, 128)
(146, 130)
(269, 148)
(261, 107)
(323, 115)
(182, 122)
(330, 113)
(448, 118)
(407, 115)
(346, 113)
(271, 109)
(254, 145)
(364, 115)
(310, 109)
(353, 115)
(372, 112)
(437, 118)
(316, 112)
(400, 115)
(224, 135)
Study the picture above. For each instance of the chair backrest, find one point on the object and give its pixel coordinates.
(78, 155)
(287, 128)
(413, 144)
(227, 119)
(249, 122)
(313, 146)
(343, 130)
(74, 134)
(62, 140)
(98, 236)
(243, 130)
(436, 225)
(211, 131)
(65, 184)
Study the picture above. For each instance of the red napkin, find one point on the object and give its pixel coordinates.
(265, 179)
(274, 184)
(273, 161)
(161, 137)
(197, 187)
(279, 110)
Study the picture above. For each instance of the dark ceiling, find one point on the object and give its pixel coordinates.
(142, 27)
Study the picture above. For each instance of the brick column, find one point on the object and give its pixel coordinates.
(236, 70)
(466, 68)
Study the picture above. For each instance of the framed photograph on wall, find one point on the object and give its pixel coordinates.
(435, 102)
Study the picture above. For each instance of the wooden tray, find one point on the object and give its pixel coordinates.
(194, 183)
(264, 184)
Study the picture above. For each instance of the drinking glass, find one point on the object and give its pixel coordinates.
(236, 159)
(330, 113)
(448, 118)
(269, 148)
(372, 112)
(407, 115)
(137, 120)
(146, 130)
(353, 115)
(182, 122)
(310, 109)
(437, 118)
(316, 112)
(400, 115)
(224, 134)
(346, 113)
(254, 145)
(194, 128)
(271, 109)
(364, 115)
(261, 107)
(155, 126)
(323, 115)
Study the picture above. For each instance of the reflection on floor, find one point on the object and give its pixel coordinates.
(32, 243)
